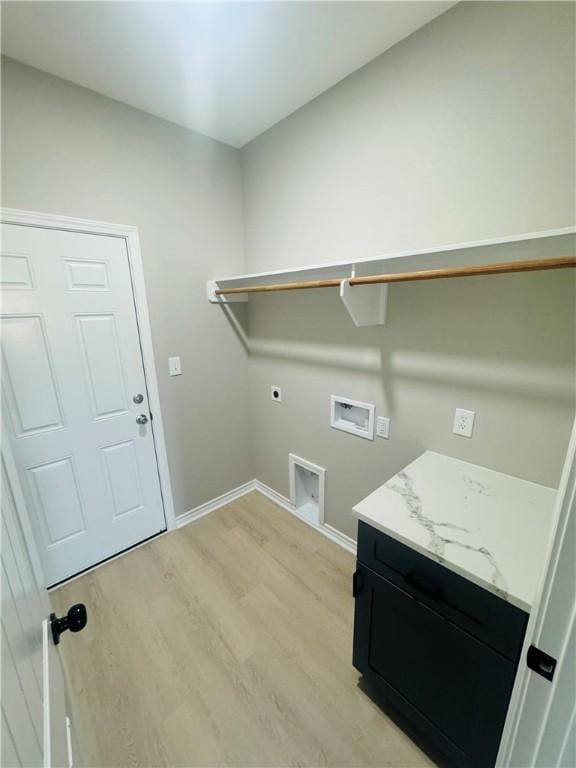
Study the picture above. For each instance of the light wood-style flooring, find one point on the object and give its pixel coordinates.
(225, 643)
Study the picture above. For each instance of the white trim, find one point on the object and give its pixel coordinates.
(143, 319)
(297, 461)
(214, 504)
(563, 760)
(130, 235)
(69, 223)
(69, 742)
(46, 743)
(326, 530)
(350, 265)
(256, 485)
(220, 501)
(539, 606)
(340, 538)
(352, 428)
(276, 497)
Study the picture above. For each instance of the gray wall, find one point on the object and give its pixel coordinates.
(69, 151)
(463, 131)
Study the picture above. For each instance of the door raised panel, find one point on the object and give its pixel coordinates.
(16, 272)
(87, 275)
(17, 590)
(33, 698)
(20, 653)
(56, 495)
(28, 377)
(23, 716)
(72, 363)
(123, 477)
(101, 355)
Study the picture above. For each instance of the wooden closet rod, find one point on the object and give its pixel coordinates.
(499, 268)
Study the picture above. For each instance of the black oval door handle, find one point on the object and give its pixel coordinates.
(75, 620)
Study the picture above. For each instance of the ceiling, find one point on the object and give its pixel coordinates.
(227, 69)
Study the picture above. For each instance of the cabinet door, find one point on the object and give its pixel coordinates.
(451, 686)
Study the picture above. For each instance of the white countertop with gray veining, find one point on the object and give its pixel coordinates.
(491, 528)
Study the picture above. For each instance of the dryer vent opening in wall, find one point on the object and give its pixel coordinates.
(307, 489)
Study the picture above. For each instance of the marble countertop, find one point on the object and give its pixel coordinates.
(489, 527)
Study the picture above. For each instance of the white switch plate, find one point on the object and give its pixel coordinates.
(174, 366)
(383, 426)
(463, 422)
(276, 393)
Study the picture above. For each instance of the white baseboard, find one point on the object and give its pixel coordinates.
(340, 538)
(213, 504)
(220, 501)
(274, 496)
(256, 485)
(325, 529)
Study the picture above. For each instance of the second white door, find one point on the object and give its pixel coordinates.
(74, 396)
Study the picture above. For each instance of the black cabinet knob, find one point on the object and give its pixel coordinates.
(75, 620)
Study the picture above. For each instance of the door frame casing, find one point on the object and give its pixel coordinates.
(130, 236)
(516, 710)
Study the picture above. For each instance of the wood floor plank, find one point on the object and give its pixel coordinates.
(225, 643)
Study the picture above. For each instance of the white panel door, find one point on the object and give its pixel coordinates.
(36, 715)
(72, 368)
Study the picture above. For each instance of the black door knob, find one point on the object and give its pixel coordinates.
(75, 620)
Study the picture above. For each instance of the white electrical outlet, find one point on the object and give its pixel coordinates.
(276, 393)
(174, 366)
(383, 426)
(463, 422)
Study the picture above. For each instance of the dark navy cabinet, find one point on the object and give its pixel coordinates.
(440, 650)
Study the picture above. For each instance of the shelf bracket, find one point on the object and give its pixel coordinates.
(366, 304)
(213, 298)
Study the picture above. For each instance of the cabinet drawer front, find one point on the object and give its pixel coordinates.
(457, 686)
(481, 613)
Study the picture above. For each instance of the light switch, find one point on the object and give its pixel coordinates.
(174, 366)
